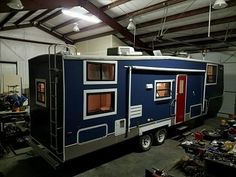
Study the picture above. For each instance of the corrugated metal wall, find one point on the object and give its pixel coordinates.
(20, 52)
(229, 61)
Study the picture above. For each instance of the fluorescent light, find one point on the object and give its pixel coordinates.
(92, 18)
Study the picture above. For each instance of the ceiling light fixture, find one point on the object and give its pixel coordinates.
(71, 13)
(219, 4)
(132, 27)
(76, 27)
(15, 4)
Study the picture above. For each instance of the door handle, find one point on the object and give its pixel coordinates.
(172, 105)
(172, 102)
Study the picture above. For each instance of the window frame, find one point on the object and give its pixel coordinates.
(155, 89)
(97, 82)
(211, 83)
(86, 92)
(36, 92)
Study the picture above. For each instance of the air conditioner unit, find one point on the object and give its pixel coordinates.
(123, 51)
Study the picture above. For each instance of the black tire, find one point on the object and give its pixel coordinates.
(159, 136)
(145, 142)
(211, 135)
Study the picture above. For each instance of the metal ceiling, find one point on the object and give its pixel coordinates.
(169, 25)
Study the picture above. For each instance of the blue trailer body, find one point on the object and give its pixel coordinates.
(141, 95)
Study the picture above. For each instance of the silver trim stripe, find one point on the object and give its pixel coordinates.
(166, 69)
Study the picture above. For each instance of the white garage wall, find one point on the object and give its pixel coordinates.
(229, 61)
(22, 51)
(99, 45)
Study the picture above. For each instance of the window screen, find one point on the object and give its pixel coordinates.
(211, 74)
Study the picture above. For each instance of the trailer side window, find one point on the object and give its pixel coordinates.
(100, 103)
(41, 92)
(100, 72)
(211, 74)
(163, 90)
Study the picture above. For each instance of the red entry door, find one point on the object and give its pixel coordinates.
(181, 83)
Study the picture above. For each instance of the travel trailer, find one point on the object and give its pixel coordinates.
(80, 104)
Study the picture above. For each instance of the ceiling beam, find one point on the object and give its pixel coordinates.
(61, 25)
(212, 49)
(92, 27)
(59, 12)
(113, 4)
(45, 29)
(39, 4)
(111, 22)
(137, 12)
(181, 15)
(17, 27)
(26, 40)
(201, 36)
(103, 8)
(57, 35)
(201, 43)
(149, 9)
(41, 15)
(24, 17)
(176, 29)
(6, 19)
(191, 26)
(95, 36)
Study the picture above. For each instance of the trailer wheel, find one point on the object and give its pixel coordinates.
(145, 142)
(160, 136)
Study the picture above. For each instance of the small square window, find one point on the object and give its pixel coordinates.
(211, 74)
(100, 72)
(99, 103)
(41, 92)
(163, 90)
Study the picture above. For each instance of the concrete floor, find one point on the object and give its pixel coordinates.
(121, 160)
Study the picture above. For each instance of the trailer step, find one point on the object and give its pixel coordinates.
(187, 133)
(182, 128)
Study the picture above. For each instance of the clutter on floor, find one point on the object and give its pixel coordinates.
(14, 122)
(156, 173)
(213, 147)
